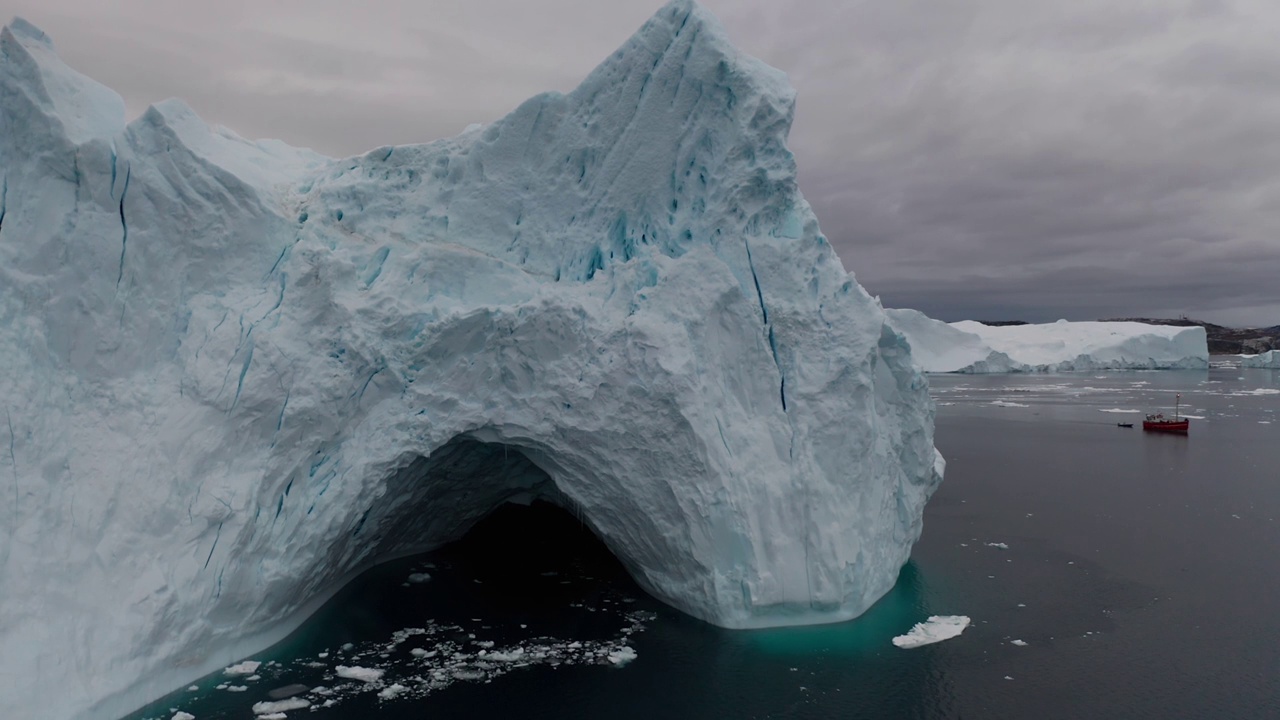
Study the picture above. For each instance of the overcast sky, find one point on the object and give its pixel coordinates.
(987, 159)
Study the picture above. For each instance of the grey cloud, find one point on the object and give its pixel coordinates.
(993, 158)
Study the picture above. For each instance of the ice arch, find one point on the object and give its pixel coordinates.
(224, 359)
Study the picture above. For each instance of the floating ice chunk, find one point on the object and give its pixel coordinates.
(1019, 643)
(999, 545)
(368, 675)
(193, 688)
(622, 655)
(512, 656)
(280, 706)
(183, 716)
(1007, 403)
(273, 716)
(248, 667)
(237, 688)
(419, 578)
(1121, 410)
(392, 691)
(936, 629)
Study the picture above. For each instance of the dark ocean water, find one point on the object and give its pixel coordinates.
(1142, 572)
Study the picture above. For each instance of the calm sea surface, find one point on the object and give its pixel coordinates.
(1142, 572)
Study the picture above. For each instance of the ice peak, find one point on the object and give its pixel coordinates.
(24, 28)
(35, 81)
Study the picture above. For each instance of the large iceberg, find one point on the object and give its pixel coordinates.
(1269, 359)
(237, 373)
(972, 347)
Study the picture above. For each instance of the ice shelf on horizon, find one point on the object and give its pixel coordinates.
(237, 373)
(972, 347)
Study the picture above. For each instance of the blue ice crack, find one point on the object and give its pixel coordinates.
(124, 224)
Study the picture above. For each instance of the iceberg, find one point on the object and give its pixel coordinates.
(239, 373)
(1062, 346)
(1269, 359)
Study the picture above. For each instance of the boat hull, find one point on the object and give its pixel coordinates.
(1179, 427)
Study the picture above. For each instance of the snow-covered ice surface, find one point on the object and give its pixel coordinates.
(1269, 359)
(238, 373)
(936, 629)
(971, 347)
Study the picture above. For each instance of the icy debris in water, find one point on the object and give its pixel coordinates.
(391, 691)
(348, 647)
(508, 656)
(183, 716)
(999, 545)
(223, 686)
(237, 688)
(936, 629)
(252, 678)
(1006, 677)
(368, 675)
(622, 656)
(280, 706)
(193, 688)
(1019, 643)
(248, 667)
(273, 716)
(419, 578)
(1007, 403)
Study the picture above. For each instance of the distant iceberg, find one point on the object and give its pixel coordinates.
(972, 347)
(1267, 360)
(237, 373)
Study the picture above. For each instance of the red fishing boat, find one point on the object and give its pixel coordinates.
(1176, 424)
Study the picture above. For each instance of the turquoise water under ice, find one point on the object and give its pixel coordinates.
(1141, 571)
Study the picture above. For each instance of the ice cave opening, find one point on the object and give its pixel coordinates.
(499, 510)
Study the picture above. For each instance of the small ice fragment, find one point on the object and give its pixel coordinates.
(248, 667)
(183, 716)
(936, 629)
(237, 688)
(1006, 677)
(251, 678)
(273, 716)
(999, 545)
(419, 578)
(392, 691)
(358, 673)
(193, 688)
(1021, 605)
(223, 686)
(280, 706)
(323, 655)
(1019, 643)
(622, 656)
(348, 647)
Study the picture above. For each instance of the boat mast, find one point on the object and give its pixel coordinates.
(1177, 403)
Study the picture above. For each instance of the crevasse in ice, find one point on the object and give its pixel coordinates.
(236, 373)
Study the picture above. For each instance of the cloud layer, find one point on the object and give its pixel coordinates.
(976, 158)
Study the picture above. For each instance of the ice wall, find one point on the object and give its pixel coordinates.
(236, 373)
(1268, 359)
(971, 347)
